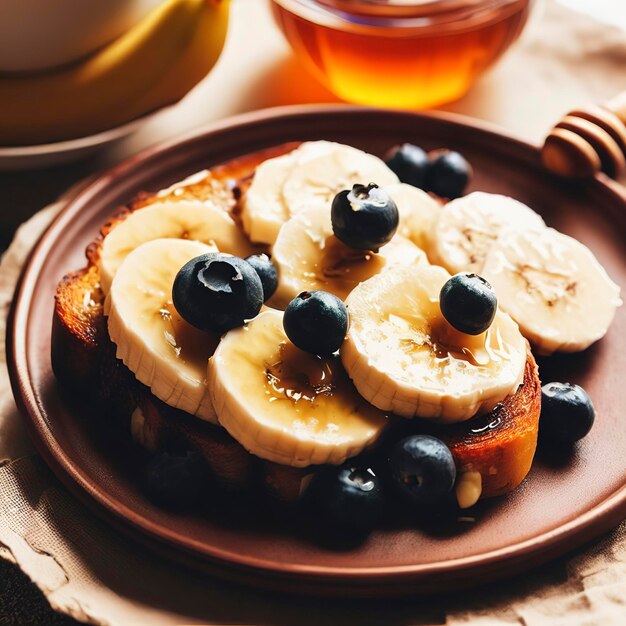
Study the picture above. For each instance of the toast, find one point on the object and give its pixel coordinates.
(499, 445)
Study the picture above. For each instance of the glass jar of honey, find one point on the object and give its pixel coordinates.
(400, 53)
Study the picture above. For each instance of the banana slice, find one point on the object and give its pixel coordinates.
(176, 219)
(318, 178)
(285, 405)
(161, 349)
(308, 256)
(419, 213)
(404, 357)
(555, 289)
(264, 210)
(308, 176)
(469, 226)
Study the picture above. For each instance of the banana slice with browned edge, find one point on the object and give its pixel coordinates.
(404, 357)
(554, 288)
(163, 351)
(467, 228)
(286, 405)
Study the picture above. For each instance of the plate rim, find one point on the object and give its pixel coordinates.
(599, 518)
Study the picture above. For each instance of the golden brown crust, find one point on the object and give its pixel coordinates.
(78, 301)
(78, 328)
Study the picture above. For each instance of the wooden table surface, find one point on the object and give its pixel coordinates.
(249, 76)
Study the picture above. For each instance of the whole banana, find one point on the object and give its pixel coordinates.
(154, 64)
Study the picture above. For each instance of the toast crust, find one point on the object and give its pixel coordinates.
(500, 445)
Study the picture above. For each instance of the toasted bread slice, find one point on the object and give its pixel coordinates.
(83, 356)
(500, 445)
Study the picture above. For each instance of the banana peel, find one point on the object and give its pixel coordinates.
(153, 65)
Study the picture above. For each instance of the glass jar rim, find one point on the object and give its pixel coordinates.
(403, 8)
(400, 14)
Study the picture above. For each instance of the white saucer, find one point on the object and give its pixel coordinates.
(45, 155)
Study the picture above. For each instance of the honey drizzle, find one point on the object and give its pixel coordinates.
(298, 376)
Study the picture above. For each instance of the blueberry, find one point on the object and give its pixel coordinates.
(316, 322)
(267, 273)
(175, 480)
(447, 174)
(422, 468)
(469, 303)
(216, 292)
(408, 162)
(349, 497)
(567, 413)
(364, 217)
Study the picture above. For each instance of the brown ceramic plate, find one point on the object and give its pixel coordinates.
(564, 501)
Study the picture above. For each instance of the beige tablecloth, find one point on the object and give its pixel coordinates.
(88, 571)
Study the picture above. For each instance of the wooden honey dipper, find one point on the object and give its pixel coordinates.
(588, 140)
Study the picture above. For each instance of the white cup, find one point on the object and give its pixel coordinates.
(42, 34)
